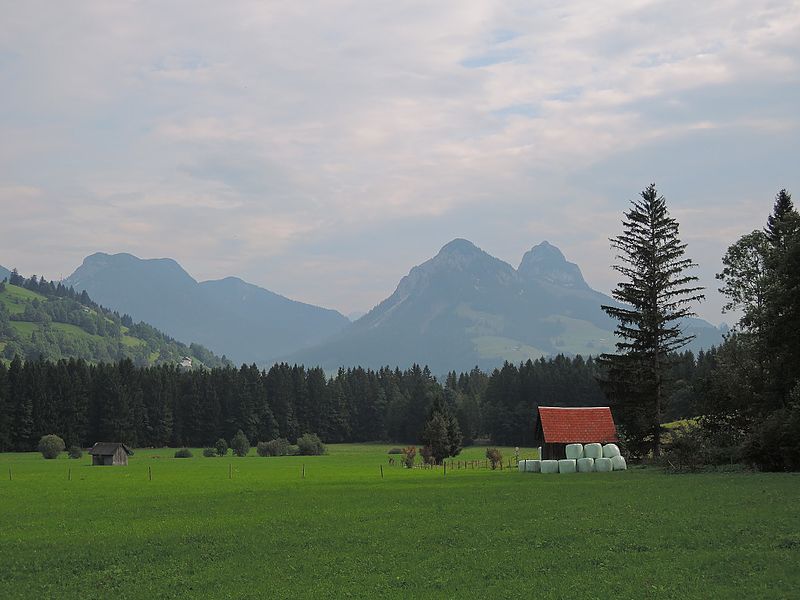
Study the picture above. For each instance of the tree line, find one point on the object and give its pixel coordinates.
(165, 405)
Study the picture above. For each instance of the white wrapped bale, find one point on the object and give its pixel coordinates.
(566, 465)
(618, 463)
(549, 466)
(574, 451)
(593, 450)
(610, 451)
(603, 465)
(585, 465)
(533, 466)
(521, 466)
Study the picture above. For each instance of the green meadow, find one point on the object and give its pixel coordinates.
(256, 528)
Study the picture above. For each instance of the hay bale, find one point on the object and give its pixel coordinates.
(533, 466)
(549, 466)
(610, 451)
(603, 465)
(567, 465)
(521, 466)
(593, 450)
(618, 463)
(585, 465)
(574, 451)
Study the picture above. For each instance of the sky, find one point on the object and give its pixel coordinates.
(321, 150)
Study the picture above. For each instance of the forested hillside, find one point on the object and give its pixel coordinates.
(42, 319)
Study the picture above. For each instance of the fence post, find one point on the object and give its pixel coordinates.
(69, 474)
(381, 471)
(230, 471)
(10, 474)
(445, 468)
(304, 471)
(149, 472)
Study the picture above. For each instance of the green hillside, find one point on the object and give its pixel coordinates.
(50, 321)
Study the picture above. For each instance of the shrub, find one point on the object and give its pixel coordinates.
(774, 445)
(240, 444)
(427, 455)
(309, 444)
(51, 446)
(183, 453)
(278, 447)
(209, 452)
(221, 447)
(395, 451)
(495, 457)
(692, 448)
(409, 454)
(75, 452)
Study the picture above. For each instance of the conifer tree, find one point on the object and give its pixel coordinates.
(782, 318)
(441, 432)
(655, 296)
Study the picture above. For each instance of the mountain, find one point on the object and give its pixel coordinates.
(4, 273)
(232, 317)
(464, 307)
(41, 319)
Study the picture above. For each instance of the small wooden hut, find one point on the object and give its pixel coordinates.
(556, 427)
(110, 454)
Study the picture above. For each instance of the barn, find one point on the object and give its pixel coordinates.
(556, 427)
(110, 453)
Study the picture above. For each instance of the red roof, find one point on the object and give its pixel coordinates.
(577, 425)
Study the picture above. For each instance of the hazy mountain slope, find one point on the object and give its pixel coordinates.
(4, 273)
(464, 308)
(244, 322)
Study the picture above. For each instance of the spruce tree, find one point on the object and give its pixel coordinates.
(655, 296)
(782, 314)
(441, 432)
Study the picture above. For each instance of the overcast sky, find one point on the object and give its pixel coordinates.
(322, 150)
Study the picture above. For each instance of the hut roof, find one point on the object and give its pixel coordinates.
(107, 448)
(577, 425)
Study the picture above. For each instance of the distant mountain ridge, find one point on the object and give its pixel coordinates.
(230, 316)
(4, 273)
(464, 307)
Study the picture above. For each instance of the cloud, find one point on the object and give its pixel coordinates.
(288, 143)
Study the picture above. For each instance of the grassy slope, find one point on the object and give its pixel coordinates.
(344, 532)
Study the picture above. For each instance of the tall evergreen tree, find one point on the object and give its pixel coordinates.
(782, 318)
(656, 295)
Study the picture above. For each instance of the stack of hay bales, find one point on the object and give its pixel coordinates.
(580, 459)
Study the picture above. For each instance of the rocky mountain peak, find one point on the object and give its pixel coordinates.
(545, 262)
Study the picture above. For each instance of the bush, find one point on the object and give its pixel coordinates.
(278, 447)
(427, 455)
(209, 452)
(183, 453)
(240, 444)
(774, 445)
(75, 452)
(51, 446)
(495, 457)
(395, 451)
(309, 444)
(409, 454)
(693, 448)
(221, 447)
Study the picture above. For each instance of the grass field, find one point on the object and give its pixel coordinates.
(342, 531)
